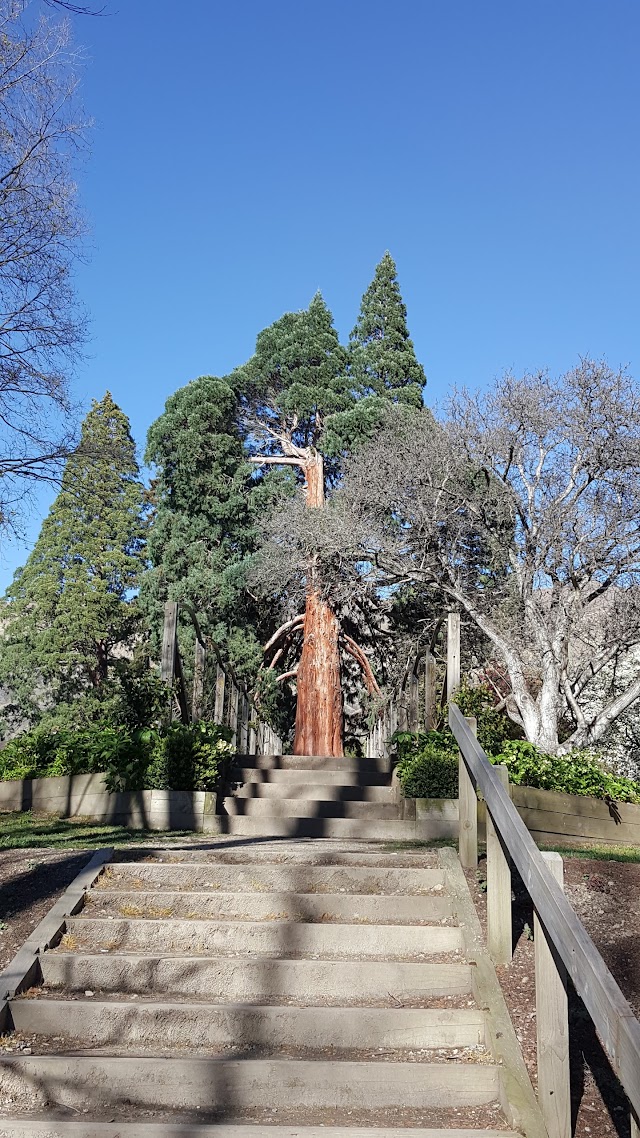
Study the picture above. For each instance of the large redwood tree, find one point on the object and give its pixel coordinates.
(307, 402)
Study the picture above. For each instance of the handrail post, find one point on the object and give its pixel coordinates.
(467, 812)
(552, 1024)
(499, 919)
(453, 653)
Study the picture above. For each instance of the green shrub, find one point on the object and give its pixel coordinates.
(578, 772)
(199, 757)
(432, 773)
(192, 758)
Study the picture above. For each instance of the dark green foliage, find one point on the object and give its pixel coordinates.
(179, 758)
(207, 500)
(432, 773)
(71, 611)
(382, 357)
(191, 758)
(297, 378)
(576, 773)
(428, 761)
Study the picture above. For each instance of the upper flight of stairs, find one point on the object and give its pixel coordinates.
(246, 988)
(293, 796)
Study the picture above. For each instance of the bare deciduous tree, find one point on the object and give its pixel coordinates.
(524, 507)
(41, 327)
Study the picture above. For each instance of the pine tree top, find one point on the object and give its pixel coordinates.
(382, 355)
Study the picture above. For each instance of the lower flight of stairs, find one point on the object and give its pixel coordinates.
(294, 796)
(295, 989)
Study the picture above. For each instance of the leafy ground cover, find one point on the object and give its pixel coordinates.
(428, 761)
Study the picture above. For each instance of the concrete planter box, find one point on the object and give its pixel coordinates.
(549, 816)
(86, 796)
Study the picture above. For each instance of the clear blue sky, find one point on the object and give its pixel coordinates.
(250, 152)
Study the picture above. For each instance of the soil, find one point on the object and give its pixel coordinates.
(606, 897)
(30, 882)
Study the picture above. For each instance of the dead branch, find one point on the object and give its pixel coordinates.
(282, 631)
(287, 675)
(356, 651)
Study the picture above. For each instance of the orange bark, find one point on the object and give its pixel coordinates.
(319, 700)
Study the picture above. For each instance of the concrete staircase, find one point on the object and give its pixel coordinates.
(291, 796)
(249, 987)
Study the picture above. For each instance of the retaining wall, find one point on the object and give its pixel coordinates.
(550, 816)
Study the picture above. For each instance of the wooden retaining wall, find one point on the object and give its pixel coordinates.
(549, 816)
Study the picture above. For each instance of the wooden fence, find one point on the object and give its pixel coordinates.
(562, 944)
(232, 704)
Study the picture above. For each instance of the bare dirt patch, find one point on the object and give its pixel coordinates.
(31, 880)
(606, 897)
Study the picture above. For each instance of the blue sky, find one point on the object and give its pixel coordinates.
(246, 154)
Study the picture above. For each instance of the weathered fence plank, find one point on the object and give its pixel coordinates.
(617, 1027)
(467, 813)
(552, 1025)
(453, 654)
(499, 922)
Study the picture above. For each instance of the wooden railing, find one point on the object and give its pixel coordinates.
(562, 944)
(232, 704)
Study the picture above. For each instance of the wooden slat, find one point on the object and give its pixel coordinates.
(168, 641)
(197, 695)
(573, 825)
(218, 712)
(453, 653)
(234, 700)
(613, 1018)
(499, 922)
(429, 692)
(579, 805)
(244, 724)
(552, 1025)
(467, 813)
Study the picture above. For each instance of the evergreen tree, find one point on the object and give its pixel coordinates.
(382, 356)
(206, 499)
(71, 609)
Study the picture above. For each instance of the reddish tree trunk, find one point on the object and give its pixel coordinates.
(319, 701)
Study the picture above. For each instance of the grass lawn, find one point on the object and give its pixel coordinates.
(601, 852)
(29, 830)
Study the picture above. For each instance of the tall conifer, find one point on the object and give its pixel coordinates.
(382, 355)
(71, 608)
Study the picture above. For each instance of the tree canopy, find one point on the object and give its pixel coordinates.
(71, 609)
(537, 482)
(42, 131)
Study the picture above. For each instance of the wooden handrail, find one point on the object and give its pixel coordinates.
(613, 1018)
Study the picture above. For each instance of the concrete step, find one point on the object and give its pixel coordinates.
(33, 1128)
(278, 851)
(383, 830)
(261, 878)
(273, 938)
(314, 763)
(310, 808)
(256, 980)
(313, 776)
(304, 788)
(99, 1083)
(93, 1023)
(308, 907)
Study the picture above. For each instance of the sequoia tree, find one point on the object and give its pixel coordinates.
(307, 403)
(382, 355)
(70, 610)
